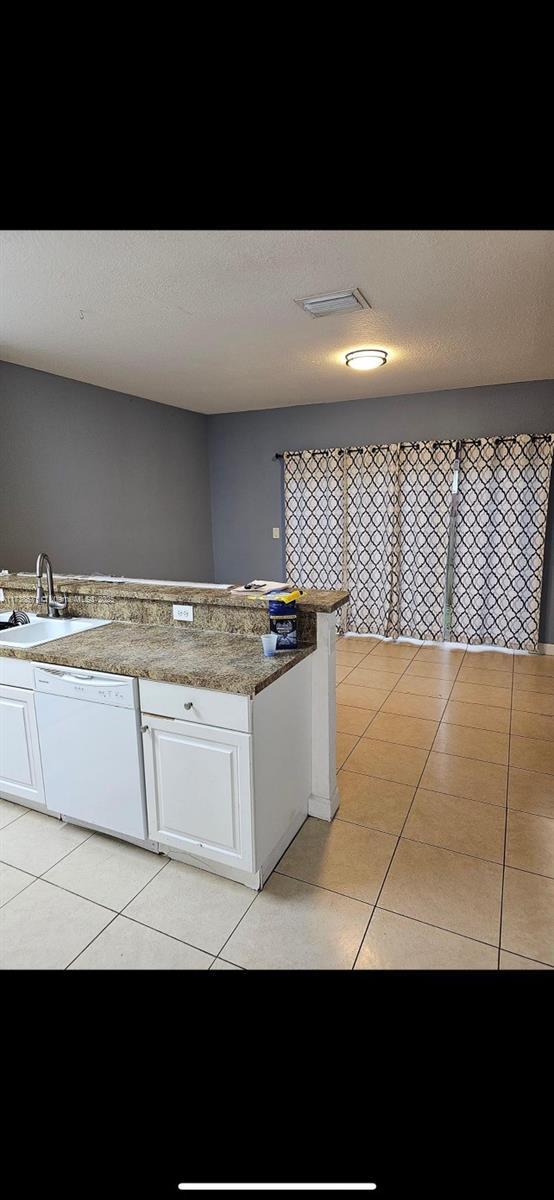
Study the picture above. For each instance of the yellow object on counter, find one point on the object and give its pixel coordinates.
(285, 597)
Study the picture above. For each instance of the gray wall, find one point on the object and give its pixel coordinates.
(102, 481)
(115, 484)
(247, 485)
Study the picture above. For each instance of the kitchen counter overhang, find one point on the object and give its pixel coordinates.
(218, 661)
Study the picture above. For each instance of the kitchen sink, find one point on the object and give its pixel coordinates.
(44, 629)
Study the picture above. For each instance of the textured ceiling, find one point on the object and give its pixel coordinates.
(205, 319)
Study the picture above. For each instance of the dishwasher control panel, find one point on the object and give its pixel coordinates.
(121, 691)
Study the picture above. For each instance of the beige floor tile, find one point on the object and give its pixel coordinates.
(542, 685)
(361, 697)
(531, 791)
(350, 660)
(532, 754)
(457, 824)
(472, 743)
(394, 651)
(219, 964)
(474, 693)
(514, 962)
(398, 943)
(533, 702)
(530, 842)
(192, 905)
(345, 858)
(374, 679)
(401, 764)
(440, 654)
(12, 881)
(465, 777)
(393, 667)
(534, 664)
(345, 742)
(295, 926)
(406, 705)
(10, 812)
(454, 891)
(419, 685)
(353, 720)
(482, 677)
(106, 870)
(378, 803)
(355, 645)
(405, 731)
(35, 842)
(533, 725)
(432, 670)
(126, 946)
(341, 673)
(527, 915)
(477, 716)
(489, 660)
(44, 928)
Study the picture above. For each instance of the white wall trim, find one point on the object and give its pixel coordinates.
(325, 809)
(546, 647)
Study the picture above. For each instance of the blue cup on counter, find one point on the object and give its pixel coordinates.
(269, 643)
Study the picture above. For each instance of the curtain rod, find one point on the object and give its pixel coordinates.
(535, 437)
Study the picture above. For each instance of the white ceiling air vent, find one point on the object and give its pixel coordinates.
(334, 302)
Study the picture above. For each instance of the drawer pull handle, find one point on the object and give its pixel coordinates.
(188, 705)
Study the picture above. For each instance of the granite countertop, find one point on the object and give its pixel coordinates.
(223, 662)
(320, 600)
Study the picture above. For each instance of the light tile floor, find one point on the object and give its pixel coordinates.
(441, 855)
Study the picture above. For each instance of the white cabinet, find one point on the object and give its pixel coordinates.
(199, 790)
(20, 765)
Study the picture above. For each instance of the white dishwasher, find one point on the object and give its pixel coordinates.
(91, 749)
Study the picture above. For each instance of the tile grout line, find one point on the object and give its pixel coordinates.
(506, 821)
(94, 939)
(247, 910)
(116, 912)
(401, 831)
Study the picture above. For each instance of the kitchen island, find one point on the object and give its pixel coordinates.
(238, 749)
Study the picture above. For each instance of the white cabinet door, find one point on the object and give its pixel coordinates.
(199, 791)
(20, 766)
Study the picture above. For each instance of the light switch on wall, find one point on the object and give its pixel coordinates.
(276, 532)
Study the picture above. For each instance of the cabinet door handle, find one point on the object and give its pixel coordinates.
(188, 705)
(144, 728)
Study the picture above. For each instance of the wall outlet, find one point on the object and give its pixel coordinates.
(276, 532)
(182, 612)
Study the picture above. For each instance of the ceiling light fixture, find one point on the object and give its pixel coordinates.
(366, 360)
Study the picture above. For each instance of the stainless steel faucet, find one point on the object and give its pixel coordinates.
(55, 607)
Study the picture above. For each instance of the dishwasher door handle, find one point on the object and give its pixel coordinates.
(66, 675)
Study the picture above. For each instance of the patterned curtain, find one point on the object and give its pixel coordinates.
(376, 520)
(372, 525)
(425, 497)
(314, 518)
(500, 534)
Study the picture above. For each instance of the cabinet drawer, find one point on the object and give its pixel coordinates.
(17, 671)
(200, 705)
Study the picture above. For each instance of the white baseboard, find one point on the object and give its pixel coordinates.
(543, 647)
(319, 806)
(281, 846)
(251, 879)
